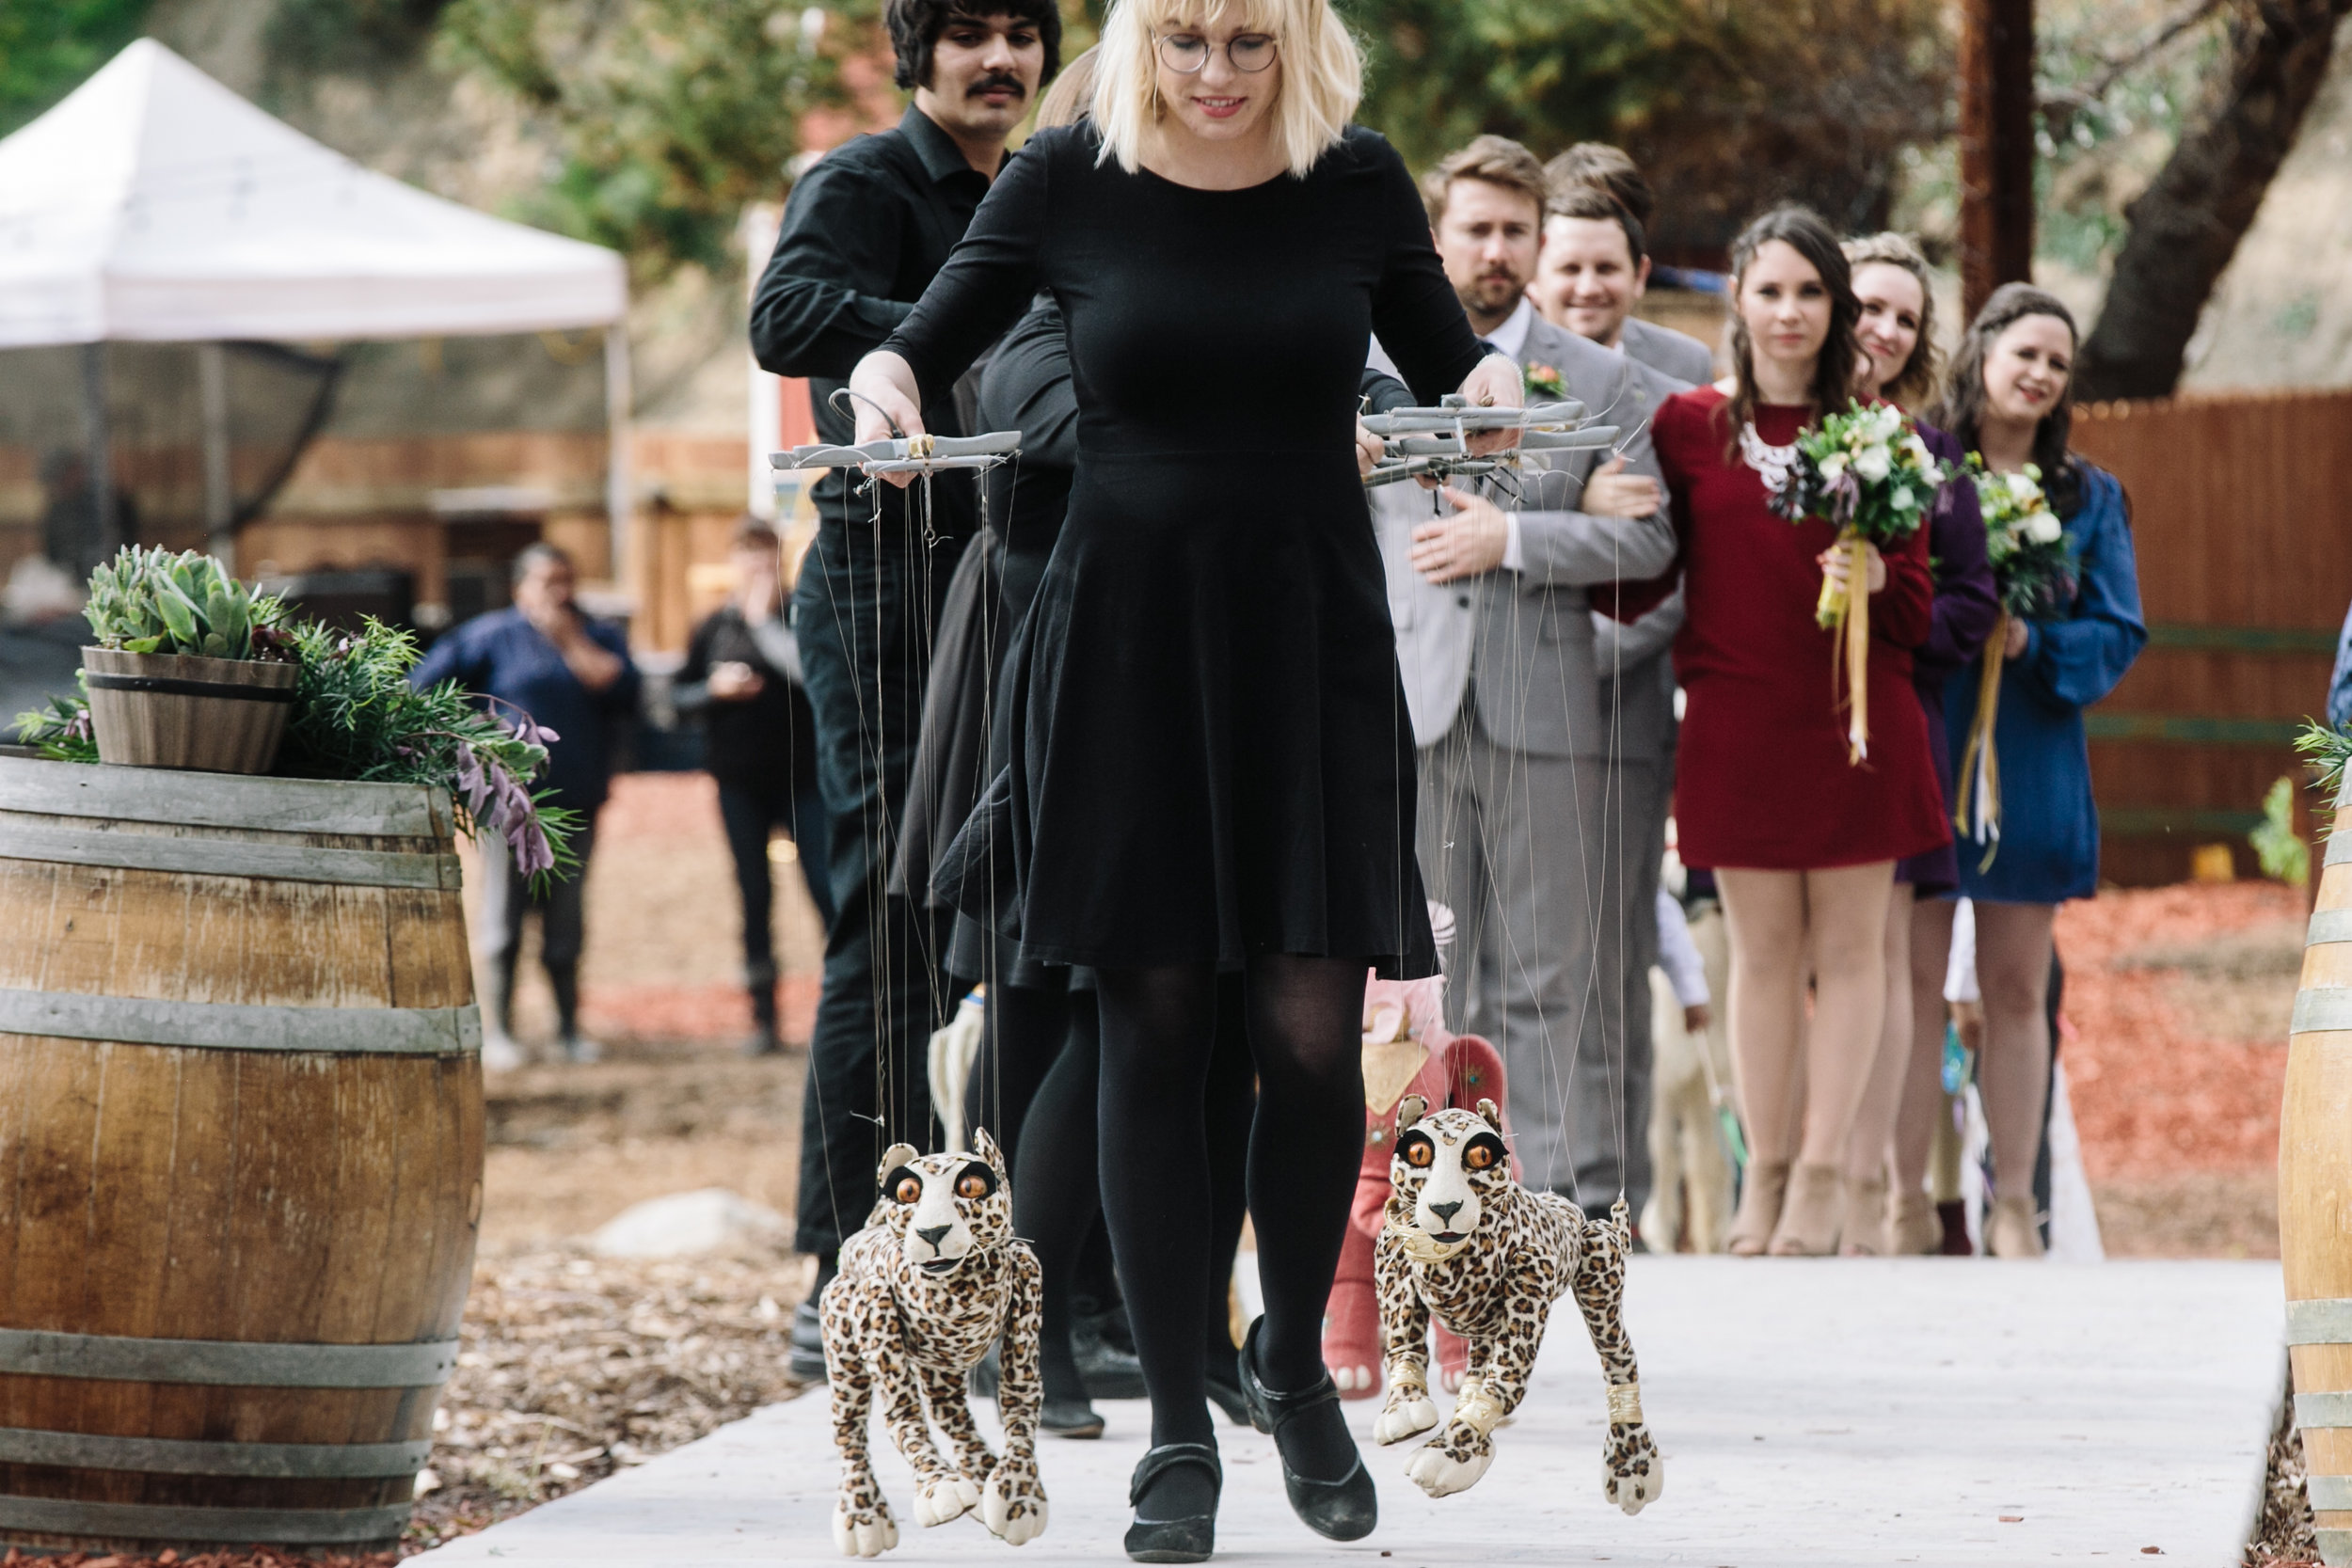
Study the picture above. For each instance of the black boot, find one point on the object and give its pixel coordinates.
(1190, 1538)
(763, 1041)
(1342, 1510)
(807, 1363)
(1109, 1371)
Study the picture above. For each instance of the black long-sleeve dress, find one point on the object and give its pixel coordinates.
(1215, 756)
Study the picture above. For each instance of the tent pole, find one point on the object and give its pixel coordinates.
(618, 486)
(212, 384)
(98, 452)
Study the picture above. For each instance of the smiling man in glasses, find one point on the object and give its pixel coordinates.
(863, 232)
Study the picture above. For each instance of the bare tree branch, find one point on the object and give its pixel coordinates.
(2061, 108)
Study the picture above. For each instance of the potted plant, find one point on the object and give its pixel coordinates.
(177, 679)
(347, 713)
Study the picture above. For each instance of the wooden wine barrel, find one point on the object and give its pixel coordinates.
(2316, 1198)
(240, 1154)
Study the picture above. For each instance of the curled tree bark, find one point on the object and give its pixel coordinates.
(2186, 224)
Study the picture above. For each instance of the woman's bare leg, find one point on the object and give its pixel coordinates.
(2013, 974)
(1845, 911)
(1922, 1099)
(1764, 915)
(1874, 1123)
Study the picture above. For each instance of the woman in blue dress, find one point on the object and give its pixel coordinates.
(2010, 402)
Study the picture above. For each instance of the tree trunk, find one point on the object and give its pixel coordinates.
(2186, 224)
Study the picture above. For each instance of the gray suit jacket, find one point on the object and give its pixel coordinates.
(1679, 355)
(1636, 662)
(1520, 643)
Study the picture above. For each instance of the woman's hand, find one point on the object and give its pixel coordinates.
(2015, 648)
(1368, 450)
(1494, 382)
(1834, 564)
(886, 392)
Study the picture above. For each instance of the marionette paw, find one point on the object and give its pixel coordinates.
(1451, 1462)
(1407, 1413)
(949, 1496)
(1013, 1506)
(1355, 1382)
(868, 1530)
(1633, 1473)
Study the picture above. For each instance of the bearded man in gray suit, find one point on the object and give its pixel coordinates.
(1517, 832)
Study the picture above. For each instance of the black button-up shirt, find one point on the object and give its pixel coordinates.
(865, 231)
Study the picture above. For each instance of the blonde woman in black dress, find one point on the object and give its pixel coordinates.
(1216, 769)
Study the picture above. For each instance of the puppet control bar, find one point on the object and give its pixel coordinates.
(915, 454)
(1434, 442)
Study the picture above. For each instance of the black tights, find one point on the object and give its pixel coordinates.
(1051, 1148)
(1304, 1024)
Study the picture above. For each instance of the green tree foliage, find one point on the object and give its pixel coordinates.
(1728, 105)
(47, 47)
(670, 116)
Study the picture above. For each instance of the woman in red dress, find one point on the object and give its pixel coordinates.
(1801, 840)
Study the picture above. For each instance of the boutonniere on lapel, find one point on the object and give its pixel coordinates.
(1543, 381)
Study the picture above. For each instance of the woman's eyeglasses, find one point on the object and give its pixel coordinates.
(1187, 53)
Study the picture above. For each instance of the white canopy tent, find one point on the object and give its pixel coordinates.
(154, 204)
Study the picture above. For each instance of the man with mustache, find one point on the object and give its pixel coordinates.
(1518, 834)
(863, 232)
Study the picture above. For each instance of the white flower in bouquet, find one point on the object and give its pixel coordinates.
(2024, 488)
(1874, 463)
(1901, 499)
(1832, 467)
(1921, 455)
(2043, 528)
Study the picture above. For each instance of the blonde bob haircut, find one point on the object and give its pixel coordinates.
(1322, 72)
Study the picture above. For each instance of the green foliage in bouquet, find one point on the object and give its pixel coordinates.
(1867, 470)
(2328, 748)
(2023, 540)
(151, 601)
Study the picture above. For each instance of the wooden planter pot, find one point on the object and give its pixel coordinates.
(177, 710)
(241, 1063)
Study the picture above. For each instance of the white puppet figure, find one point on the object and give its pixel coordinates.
(1489, 1257)
(935, 1278)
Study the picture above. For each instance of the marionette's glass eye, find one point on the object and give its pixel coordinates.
(1420, 1153)
(973, 1184)
(907, 1188)
(1483, 1154)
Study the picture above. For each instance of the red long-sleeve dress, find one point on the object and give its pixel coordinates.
(1761, 776)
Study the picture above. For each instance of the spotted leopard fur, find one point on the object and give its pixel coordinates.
(1488, 1258)
(931, 1281)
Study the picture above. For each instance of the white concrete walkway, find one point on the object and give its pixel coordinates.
(1811, 1413)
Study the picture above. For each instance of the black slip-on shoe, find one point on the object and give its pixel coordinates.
(1191, 1539)
(1343, 1509)
(1069, 1418)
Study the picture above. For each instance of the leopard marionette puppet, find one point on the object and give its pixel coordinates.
(924, 1290)
(1490, 1257)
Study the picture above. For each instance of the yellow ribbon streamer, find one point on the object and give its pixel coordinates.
(1847, 613)
(1977, 811)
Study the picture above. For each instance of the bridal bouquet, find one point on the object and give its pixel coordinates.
(2023, 540)
(1867, 472)
(2032, 576)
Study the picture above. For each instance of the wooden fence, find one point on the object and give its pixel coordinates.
(2241, 520)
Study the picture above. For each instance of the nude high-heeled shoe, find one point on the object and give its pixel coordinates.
(1863, 1231)
(2009, 1228)
(1808, 1217)
(1759, 1214)
(1913, 1230)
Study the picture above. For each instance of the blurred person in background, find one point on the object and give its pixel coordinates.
(742, 676)
(1599, 166)
(1900, 365)
(1520, 830)
(541, 655)
(2010, 401)
(863, 232)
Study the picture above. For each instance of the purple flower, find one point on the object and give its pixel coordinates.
(528, 843)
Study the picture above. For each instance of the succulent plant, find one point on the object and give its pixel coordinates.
(151, 601)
